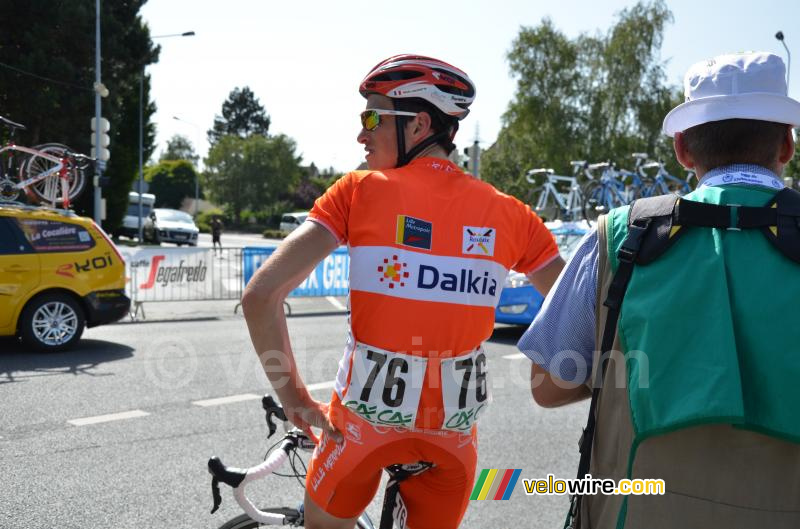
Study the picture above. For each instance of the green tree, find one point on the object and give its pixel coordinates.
(180, 148)
(251, 172)
(48, 73)
(242, 115)
(595, 97)
(171, 181)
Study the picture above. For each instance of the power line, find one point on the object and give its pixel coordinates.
(56, 81)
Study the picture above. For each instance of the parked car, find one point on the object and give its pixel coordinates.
(170, 225)
(519, 301)
(291, 221)
(59, 273)
(130, 223)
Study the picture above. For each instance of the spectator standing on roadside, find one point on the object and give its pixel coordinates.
(216, 233)
(695, 382)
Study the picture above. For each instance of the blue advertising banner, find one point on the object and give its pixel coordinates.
(329, 278)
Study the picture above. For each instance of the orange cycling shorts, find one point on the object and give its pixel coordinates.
(344, 477)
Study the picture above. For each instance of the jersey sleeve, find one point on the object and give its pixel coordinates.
(538, 245)
(332, 209)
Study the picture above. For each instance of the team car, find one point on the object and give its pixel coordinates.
(519, 301)
(59, 273)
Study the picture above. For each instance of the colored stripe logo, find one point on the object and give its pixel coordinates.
(494, 484)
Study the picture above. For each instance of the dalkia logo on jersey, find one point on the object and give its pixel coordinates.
(393, 272)
(478, 241)
(413, 232)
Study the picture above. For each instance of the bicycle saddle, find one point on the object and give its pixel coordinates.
(12, 124)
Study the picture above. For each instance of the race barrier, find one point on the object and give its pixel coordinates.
(181, 274)
(203, 274)
(331, 277)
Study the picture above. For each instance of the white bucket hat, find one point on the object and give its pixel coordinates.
(745, 86)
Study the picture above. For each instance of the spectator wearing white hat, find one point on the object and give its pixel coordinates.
(678, 317)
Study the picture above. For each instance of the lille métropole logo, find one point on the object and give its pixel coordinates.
(394, 272)
(495, 484)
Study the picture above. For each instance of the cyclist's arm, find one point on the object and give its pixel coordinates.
(262, 304)
(544, 278)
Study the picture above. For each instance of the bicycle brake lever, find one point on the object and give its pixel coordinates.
(273, 410)
(215, 493)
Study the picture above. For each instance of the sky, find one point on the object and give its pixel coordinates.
(304, 60)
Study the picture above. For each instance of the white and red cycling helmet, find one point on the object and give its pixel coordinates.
(416, 76)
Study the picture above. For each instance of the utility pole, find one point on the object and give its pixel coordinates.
(99, 166)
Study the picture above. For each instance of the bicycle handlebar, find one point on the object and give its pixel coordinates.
(238, 478)
(535, 172)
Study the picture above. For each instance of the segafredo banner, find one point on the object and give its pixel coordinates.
(177, 274)
(329, 278)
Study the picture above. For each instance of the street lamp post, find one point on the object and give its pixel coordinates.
(141, 126)
(779, 36)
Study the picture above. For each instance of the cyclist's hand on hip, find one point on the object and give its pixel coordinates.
(312, 413)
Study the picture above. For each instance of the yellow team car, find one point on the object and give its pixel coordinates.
(59, 273)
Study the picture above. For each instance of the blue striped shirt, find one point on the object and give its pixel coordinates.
(561, 337)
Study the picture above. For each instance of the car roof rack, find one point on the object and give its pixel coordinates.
(32, 207)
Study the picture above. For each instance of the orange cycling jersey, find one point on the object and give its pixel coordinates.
(430, 247)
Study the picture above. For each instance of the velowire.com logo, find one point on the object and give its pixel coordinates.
(495, 484)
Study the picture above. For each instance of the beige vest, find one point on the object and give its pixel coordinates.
(715, 475)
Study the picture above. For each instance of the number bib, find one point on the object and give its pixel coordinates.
(465, 390)
(385, 387)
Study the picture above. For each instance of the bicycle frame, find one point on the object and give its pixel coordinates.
(569, 204)
(61, 168)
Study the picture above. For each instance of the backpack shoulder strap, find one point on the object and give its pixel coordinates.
(785, 233)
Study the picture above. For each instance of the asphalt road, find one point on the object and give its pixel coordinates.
(148, 470)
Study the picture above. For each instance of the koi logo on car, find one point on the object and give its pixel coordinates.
(96, 263)
(165, 275)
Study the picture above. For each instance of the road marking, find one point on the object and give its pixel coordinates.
(321, 385)
(226, 400)
(335, 302)
(133, 414)
(515, 356)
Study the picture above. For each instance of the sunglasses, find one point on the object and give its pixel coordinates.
(371, 118)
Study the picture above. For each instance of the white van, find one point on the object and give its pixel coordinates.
(130, 224)
(291, 221)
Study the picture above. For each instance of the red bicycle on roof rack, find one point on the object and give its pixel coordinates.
(50, 172)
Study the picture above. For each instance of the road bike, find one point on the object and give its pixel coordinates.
(551, 202)
(664, 183)
(603, 194)
(286, 449)
(50, 172)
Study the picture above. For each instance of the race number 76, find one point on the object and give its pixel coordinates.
(468, 365)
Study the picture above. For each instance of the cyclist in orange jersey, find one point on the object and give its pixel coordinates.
(430, 247)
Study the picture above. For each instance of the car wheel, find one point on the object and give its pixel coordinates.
(51, 322)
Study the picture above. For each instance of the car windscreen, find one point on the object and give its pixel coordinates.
(173, 216)
(133, 209)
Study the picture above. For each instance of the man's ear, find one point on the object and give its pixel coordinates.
(787, 147)
(682, 153)
(420, 126)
